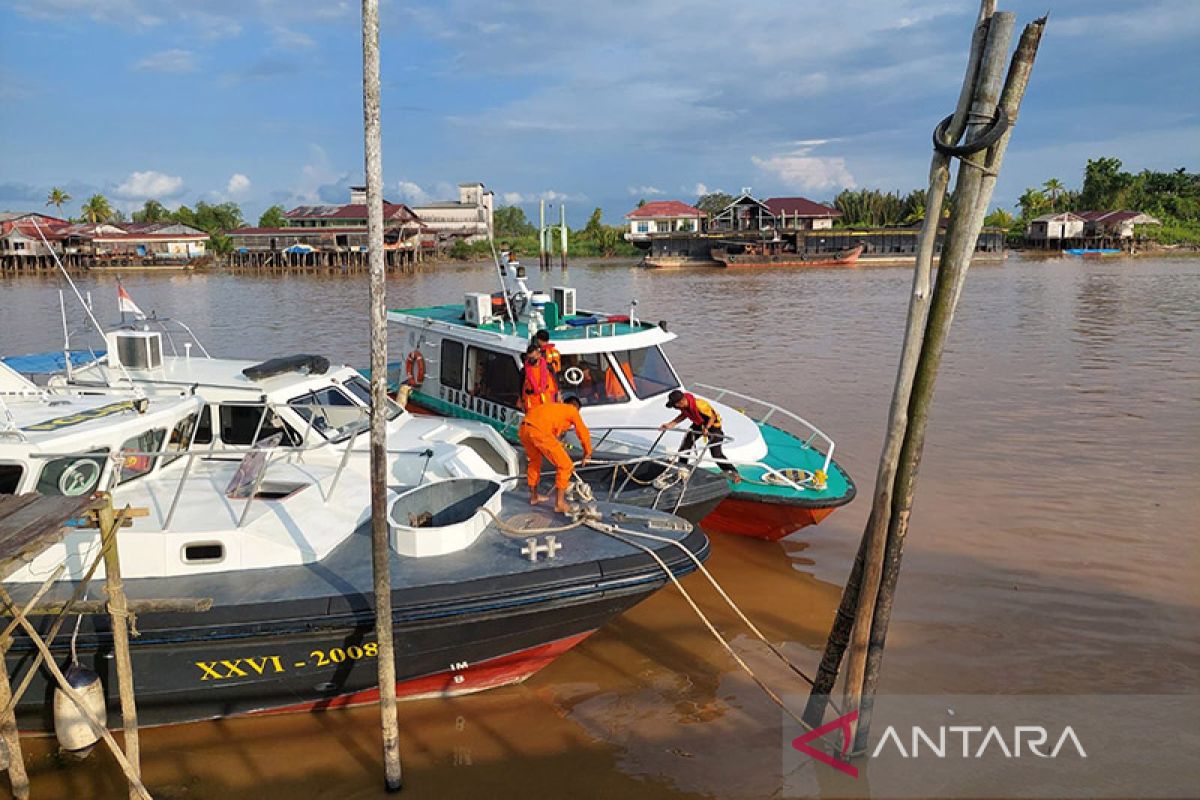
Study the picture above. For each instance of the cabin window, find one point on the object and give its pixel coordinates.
(181, 437)
(135, 458)
(73, 476)
(651, 374)
(330, 412)
(493, 376)
(451, 367)
(239, 424)
(592, 378)
(359, 387)
(10, 478)
(204, 429)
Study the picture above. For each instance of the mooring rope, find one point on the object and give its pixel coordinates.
(616, 532)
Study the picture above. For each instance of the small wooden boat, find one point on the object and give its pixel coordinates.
(770, 254)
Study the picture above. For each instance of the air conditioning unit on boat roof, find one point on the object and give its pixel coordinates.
(136, 349)
(564, 298)
(477, 308)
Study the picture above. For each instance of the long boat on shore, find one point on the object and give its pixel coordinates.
(764, 255)
(615, 365)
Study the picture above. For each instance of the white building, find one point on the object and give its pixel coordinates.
(1065, 225)
(663, 216)
(468, 218)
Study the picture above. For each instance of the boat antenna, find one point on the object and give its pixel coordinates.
(137, 390)
(503, 287)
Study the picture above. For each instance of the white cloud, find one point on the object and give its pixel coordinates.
(238, 184)
(289, 39)
(800, 170)
(549, 195)
(412, 194)
(644, 191)
(173, 61)
(144, 185)
(512, 198)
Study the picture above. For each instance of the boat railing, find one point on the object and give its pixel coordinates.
(771, 474)
(211, 451)
(814, 433)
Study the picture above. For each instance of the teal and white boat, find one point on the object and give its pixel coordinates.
(463, 360)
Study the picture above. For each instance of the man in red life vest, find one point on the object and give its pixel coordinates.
(705, 422)
(540, 433)
(539, 386)
(549, 352)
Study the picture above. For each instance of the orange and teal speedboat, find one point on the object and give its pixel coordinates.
(463, 360)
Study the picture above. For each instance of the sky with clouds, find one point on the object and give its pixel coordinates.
(588, 104)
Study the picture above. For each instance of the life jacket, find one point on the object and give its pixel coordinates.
(612, 385)
(540, 386)
(699, 412)
(551, 356)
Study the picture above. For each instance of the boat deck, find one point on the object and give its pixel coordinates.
(785, 451)
(341, 582)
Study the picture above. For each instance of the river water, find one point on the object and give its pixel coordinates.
(1053, 546)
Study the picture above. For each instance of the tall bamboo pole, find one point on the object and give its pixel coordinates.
(380, 550)
(872, 544)
(18, 778)
(977, 179)
(118, 611)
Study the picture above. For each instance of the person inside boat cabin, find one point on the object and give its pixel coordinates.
(705, 422)
(549, 351)
(540, 434)
(538, 382)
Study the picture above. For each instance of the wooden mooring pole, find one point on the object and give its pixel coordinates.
(988, 105)
(380, 549)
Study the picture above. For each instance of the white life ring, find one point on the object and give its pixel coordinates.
(573, 376)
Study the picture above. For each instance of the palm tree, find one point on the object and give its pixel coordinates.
(96, 209)
(1054, 187)
(57, 198)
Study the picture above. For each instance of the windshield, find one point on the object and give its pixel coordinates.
(330, 412)
(359, 387)
(591, 378)
(647, 369)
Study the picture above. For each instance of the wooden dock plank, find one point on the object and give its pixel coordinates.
(30, 523)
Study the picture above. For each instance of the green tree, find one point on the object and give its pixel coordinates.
(272, 218)
(58, 198)
(594, 226)
(511, 221)
(152, 211)
(1054, 189)
(999, 218)
(1032, 204)
(219, 244)
(1104, 185)
(96, 209)
(714, 202)
(217, 218)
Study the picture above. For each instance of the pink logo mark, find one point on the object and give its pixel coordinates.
(842, 723)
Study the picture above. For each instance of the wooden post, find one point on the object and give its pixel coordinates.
(118, 611)
(870, 590)
(380, 549)
(9, 738)
(562, 234)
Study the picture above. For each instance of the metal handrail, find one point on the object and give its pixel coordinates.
(774, 409)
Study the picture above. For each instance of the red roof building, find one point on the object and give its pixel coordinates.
(800, 213)
(663, 216)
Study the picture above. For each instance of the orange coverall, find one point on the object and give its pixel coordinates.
(540, 431)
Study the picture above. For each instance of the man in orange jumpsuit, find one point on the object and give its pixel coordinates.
(540, 432)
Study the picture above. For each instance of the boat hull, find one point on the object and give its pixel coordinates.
(739, 516)
(180, 680)
(847, 259)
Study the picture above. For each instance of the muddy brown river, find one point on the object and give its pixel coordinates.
(1054, 546)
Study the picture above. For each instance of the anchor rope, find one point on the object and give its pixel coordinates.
(616, 532)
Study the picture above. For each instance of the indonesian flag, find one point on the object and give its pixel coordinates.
(126, 305)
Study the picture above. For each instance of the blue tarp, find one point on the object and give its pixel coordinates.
(45, 363)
